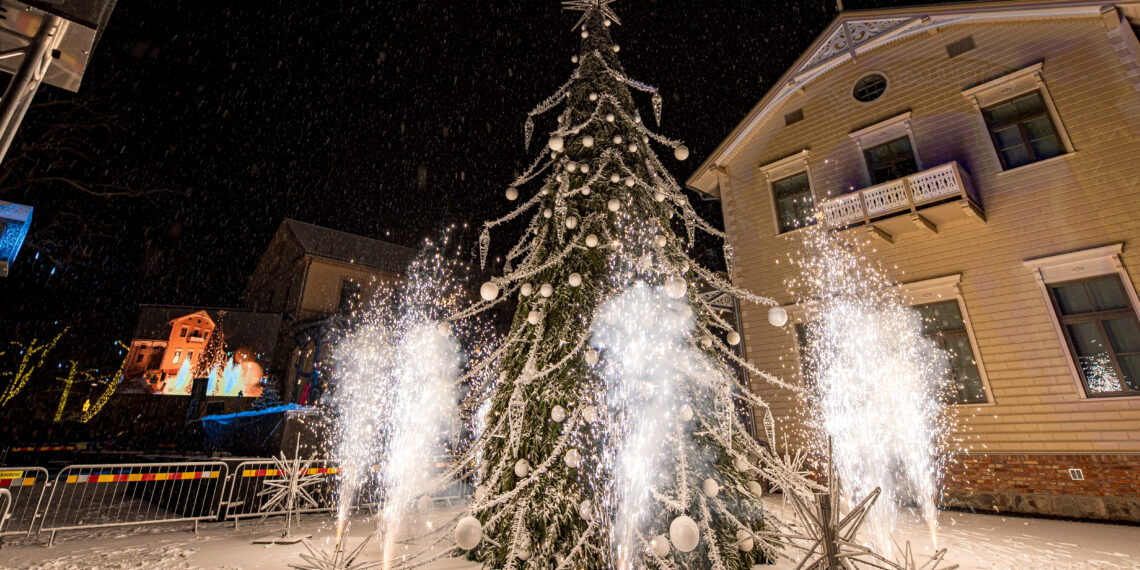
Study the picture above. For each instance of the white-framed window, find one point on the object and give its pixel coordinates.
(1018, 114)
(888, 150)
(1093, 306)
(177, 357)
(946, 321)
(790, 188)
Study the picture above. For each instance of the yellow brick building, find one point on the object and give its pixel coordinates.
(993, 150)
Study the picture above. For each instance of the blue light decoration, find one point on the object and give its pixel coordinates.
(15, 219)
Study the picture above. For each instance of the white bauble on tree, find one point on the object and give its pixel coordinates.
(617, 139)
(512, 194)
(587, 141)
(522, 468)
(489, 291)
(547, 213)
(740, 464)
(468, 532)
(546, 290)
(706, 342)
(593, 96)
(572, 458)
(684, 533)
(609, 117)
(660, 545)
(710, 487)
(615, 178)
(614, 205)
(575, 279)
(586, 510)
(658, 196)
(617, 48)
(571, 222)
(681, 152)
(660, 241)
(675, 287)
(526, 289)
(686, 413)
(777, 316)
(558, 414)
(584, 167)
(732, 338)
(571, 166)
(585, 34)
(556, 143)
(591, 357)
(525, 549)
(755, 488)
(630, 182)
(744, 540)
(590, 414)
(591, 240)
(573, 59)
(533, 317)
(633, 148)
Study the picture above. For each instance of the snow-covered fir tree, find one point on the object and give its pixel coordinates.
(609, 435)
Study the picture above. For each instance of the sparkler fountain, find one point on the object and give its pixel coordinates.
(876, 381)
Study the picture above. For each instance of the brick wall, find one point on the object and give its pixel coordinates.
(1040, 484)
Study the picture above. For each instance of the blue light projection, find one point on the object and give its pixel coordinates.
(15, 219)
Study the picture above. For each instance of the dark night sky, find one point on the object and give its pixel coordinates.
(254, 111)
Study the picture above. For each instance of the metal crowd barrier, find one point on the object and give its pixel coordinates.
(25, 487)
(6, 498)
(256, 484)
(95, 496)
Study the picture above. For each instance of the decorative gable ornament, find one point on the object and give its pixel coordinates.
(848, 37)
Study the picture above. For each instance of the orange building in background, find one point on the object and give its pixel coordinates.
(188, 336)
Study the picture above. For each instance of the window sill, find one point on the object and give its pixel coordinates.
(1023, 167)
(987, 404)
(1088, 398)
(790, 233)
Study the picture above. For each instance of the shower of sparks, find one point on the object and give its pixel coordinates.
(396, 392)
(874, 381)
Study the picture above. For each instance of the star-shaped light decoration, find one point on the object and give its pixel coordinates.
(590, 6)
(290, 492)
(337, 558)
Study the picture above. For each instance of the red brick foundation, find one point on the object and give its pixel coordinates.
(1041, 485)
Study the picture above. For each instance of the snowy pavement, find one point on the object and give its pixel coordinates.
(973, 541)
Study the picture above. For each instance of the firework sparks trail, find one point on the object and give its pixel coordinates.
(875, 381)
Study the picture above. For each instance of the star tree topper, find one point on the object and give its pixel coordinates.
(590, 6)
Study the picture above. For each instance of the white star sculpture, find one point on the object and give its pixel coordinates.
(590, 6)
(290, 491)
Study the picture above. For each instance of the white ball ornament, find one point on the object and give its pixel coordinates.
(586, 510)
(522, 468)
(777, 316)
(585, 190)
(740, 464)
(572, 458)
(593, 96)
(585, 34)
(755, 488)
(591, 240)
(658, 196)
(547, 213)
(732, 338)
(546, 290)
(590, 414)
(644, 139)
(637, 117)
(556, 143)
(489, 291)
(630, 182)
(706, 342)
(609, 117)
(526, 289)
(617, 139)
(533, 317)
(633, 148)
(615, 178)
(661, 241)
(468, 533)
(512, 194)
(591, 357)
(573, 59)
(710, 487)
(585, 168)
(686, 413)
(684, 534)
(606, 22)
(660, 545)
(571, 222)
(571, 166)
(558, 414)
(613, 205)
(681, 152)
(587, 141)
(675, 287)
(617, 48)
(744, 540)
(575, 279)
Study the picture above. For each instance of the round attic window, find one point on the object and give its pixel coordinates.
(869, 87)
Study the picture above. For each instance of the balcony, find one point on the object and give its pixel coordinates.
(919, 202)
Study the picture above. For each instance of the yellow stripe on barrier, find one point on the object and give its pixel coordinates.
(72, 478)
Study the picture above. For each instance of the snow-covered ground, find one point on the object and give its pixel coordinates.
(973, 541)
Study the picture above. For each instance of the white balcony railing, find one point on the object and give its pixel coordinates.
(901, 195)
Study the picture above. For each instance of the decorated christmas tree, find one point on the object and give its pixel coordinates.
(609, 436)
(213, 356)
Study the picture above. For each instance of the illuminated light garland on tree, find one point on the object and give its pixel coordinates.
(27, 368)
(67, 383)
(112, 385)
